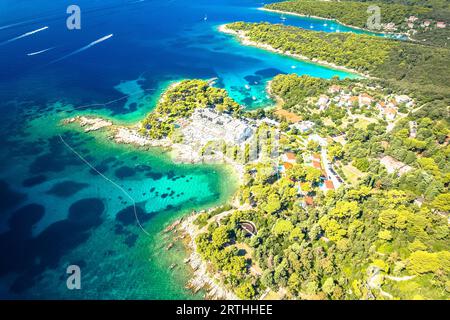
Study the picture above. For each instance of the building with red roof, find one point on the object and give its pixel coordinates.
(316, 164)
(309, 201)
(329, 184)
(289, 157)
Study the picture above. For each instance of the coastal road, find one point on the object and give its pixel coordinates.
(327, 166)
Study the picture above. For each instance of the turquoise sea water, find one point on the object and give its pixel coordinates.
(55, 209)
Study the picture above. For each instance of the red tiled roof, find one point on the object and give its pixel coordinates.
(287, 165)
(291, 155)
(329, 184)
(309, 201)
(316, 164)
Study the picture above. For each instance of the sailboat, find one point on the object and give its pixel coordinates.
(205, 18)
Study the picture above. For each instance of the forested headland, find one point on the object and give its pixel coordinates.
(406, 66)
(421, 20)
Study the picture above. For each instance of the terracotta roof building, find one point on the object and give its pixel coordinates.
(309, 201)
(289, 157)
(316, 164)
(287, 165)
(329, 184)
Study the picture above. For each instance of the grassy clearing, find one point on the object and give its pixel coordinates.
(352, 174)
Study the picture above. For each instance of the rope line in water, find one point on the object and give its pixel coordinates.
(101, 174)
(109, 180)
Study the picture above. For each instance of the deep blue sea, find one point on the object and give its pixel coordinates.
(56, 209)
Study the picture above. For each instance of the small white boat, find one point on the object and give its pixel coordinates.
(247, 87)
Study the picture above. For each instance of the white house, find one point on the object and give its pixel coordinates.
(303, 126)
(322, 103)
(208, 125)
(365, 100)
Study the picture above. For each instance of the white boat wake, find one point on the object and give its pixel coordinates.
(12, 25)
(24, 35)
(93, 43)
(39, 52)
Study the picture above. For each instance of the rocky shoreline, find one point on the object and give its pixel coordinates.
(89, 123)
(202, 279)
(179, 153)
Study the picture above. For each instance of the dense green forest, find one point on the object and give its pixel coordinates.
(355, 13)
(440, 11)
(405, 66)
(346, 247)
(351, 13)
(294, 89)
(179, 101)
(432, 4)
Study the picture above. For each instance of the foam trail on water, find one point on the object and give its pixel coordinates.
(12, 25)
(24, 35)
(39, 52)
(93, 43)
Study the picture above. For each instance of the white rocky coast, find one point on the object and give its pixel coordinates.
(89, 123)
(202, 279)
(128, 135)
